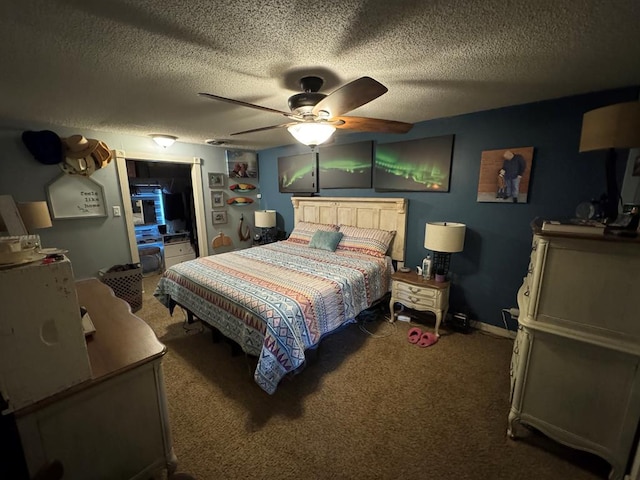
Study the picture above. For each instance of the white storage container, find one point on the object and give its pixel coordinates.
(42, 344)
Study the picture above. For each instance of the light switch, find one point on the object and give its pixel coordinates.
(116, 211)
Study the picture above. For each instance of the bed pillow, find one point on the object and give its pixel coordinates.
(303, 231)
(324, 240)
(371, 241)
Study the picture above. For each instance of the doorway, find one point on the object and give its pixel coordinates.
(192, 229)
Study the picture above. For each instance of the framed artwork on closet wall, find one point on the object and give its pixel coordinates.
(242, 164)
(218, 217)
(217, 199)
(216, 180)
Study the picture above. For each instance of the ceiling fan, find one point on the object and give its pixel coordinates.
(315, 116)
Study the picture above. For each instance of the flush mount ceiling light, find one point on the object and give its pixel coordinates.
(311, 133)
(164, 140)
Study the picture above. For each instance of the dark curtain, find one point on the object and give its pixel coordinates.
(173, 206)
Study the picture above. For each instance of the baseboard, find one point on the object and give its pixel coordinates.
(498, 331)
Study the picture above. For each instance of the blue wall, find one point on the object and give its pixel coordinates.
(488, 273)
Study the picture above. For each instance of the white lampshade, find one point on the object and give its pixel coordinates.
(311, 133)
(444, 236)
(265, 218)
(34, 215)
(164, 140)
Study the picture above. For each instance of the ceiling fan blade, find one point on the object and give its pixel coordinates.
(264, 128)
(243, 104)
(350, 96)
(365, 124)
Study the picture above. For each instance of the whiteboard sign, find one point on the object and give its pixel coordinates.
(76, 196)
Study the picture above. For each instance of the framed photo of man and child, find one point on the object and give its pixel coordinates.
(504, 175)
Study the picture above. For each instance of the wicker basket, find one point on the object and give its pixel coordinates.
(126, 284)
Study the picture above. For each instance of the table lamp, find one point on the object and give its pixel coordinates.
(608, 128)
(35, 215)
(443, 239)
(265, 221)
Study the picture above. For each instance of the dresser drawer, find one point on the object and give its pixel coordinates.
(178, 249)
(171, 261)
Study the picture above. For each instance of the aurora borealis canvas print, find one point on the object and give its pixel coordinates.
(422, 165)
(298, 173)
(346, 166)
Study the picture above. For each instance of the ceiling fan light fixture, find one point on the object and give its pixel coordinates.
(311, 133)
(164, 140)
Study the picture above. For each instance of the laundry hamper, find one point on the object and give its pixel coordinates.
(126, 283)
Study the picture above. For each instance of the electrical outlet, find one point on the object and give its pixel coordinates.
(116, 211)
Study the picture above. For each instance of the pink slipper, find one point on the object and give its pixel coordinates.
(427, 339)
(414, 335)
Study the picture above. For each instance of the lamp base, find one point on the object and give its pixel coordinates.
(611, 198)
(264, 235)
(441, 261)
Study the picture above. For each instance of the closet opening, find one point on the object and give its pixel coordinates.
(162, 202)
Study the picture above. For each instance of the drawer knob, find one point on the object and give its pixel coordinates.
(413, 299)
(414, 290)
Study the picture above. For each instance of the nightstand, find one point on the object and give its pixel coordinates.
(263, 236)
(412, 291)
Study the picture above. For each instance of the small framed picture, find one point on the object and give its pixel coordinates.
(218, 217)
(216, 180)
(217, 199)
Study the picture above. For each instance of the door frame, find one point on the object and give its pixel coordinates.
(196, 184)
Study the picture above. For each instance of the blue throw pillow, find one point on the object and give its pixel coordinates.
(325, 240)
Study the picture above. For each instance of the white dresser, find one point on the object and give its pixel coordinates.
(574, 369)
(115, 424)
(177, 249)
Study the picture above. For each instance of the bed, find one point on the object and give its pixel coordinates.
(277, 301)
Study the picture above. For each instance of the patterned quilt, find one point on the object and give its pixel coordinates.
(276, 300)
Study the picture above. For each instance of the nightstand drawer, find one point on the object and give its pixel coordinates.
(413, 290)
(414, 301)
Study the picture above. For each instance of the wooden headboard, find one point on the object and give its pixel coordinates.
(382, 213)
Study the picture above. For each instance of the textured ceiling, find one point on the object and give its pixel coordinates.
(136, 66)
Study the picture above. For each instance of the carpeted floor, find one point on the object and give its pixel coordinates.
(365, 407)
